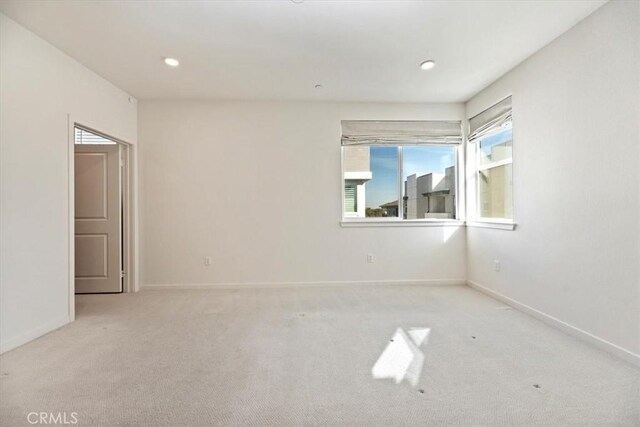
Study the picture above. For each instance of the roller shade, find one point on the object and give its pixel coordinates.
(497, 115)
(368, 132)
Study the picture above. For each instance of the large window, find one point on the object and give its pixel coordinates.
(492, 138)
(384, 179)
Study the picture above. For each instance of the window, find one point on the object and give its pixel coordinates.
(492, 134)
(400, 170)
(85, 137)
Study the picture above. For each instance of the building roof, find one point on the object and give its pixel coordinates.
(436, 192)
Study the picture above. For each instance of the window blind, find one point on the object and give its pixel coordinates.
(494, 116)
(86, 137)
(370, 132)
(350, 198)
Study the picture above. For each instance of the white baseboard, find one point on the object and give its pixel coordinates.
(32, 334)
(250, 285)
(563, 326)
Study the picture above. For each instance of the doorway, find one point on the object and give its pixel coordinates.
(102, 213)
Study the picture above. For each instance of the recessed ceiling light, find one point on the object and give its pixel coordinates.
(427, 65)
(171, 62)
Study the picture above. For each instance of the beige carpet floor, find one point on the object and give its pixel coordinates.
(357, 356)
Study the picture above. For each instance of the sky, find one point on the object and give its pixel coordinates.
(495, 139)
(383, 187)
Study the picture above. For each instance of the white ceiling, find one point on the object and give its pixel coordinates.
(358, 50)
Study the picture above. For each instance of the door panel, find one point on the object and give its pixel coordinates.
(91, 255)
(98, 223)
(91, 185)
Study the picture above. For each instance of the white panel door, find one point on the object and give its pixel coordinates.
(98, 210)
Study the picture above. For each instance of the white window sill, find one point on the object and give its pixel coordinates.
(497, 224)
(401, 223)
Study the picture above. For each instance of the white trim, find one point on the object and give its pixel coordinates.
(559, 324)
(134, 226)
(358, 176)
(460, 210)
(32, 334)
(71, 297)
(497, 164)
(498, 225)
(394, 222)
(130, 215)
(400, 183)
(275, 285)
(342, 212)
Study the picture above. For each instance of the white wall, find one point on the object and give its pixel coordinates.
(39, 87)
(256, 186)
(575, 254)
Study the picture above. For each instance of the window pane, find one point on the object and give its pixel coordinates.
(495, 175)
(382, 190)
(350, 202)
(496, 190)
(496, 147)
(85, 137)
(429, 177)
(371, 179)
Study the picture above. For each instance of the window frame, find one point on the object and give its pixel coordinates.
(347, 221)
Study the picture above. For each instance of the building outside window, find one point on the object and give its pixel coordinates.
(495, 171)
(429, 182)
(357, 172)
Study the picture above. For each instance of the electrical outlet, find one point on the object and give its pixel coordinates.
(496, 265)
(370, 258)
(207, 261)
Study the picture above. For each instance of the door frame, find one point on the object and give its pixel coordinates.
(130, 211)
